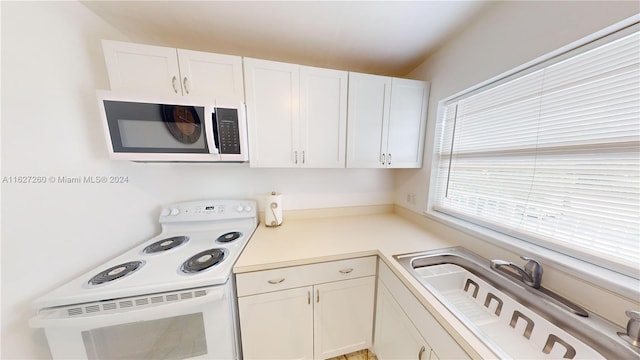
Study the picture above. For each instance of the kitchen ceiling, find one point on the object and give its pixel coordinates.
(382, 37)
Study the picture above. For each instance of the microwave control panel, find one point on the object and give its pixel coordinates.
(228, 131)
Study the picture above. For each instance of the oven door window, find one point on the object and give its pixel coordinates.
(156, 128)
(179, 337)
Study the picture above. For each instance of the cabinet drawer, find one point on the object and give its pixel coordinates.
(304, 275)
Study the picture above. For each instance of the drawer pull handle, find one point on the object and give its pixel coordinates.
(346, 271)
(275, 281)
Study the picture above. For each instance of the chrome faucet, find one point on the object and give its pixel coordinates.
(530, 274)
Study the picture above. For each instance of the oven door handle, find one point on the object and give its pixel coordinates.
(53, 317)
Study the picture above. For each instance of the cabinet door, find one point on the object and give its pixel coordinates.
(211, 76)
(428, 327)
(142, 68)
(368, 113)
(343, 316)
(277, 325)
(396, 338)
(407, 119)
(272, 91)
(323, 115)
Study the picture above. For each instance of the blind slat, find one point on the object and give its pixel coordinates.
(553, 155)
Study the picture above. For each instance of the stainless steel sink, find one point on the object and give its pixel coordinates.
(504, 303)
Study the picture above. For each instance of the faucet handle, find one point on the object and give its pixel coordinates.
(531, 264)
(633, 327)
(534, 269)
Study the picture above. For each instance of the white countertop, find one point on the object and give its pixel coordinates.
(313, 240)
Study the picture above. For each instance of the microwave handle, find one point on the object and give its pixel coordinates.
(214, 127)
(48, 317)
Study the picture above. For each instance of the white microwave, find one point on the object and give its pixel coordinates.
(168, 129)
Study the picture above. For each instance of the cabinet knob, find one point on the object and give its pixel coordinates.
(275, 281)
(346, 271)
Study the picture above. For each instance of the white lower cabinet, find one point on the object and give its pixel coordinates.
(343, 317)
(277, 325)
(396, 337)
(330, 316)
(404, 327)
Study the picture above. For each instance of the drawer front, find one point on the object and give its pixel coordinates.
(304, 275)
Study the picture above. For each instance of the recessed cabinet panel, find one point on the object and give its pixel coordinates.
(343, 317)
(142, 68)
(272, 112)
(277, 325)
(406, 123)
(211, 75)
(323, 109)
(395, 336)
(428, 327)
(369, 98)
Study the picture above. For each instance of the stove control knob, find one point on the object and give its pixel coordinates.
(165, 212)
(175, 211)
(239, 208)
(247, 208)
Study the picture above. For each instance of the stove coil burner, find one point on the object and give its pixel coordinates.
(229, 237)
(165, 244)
(116, 272)
(203, 260)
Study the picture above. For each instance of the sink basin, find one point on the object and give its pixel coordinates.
(514, 320)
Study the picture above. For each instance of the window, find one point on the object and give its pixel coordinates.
(551, 153)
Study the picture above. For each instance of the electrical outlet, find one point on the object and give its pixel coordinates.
(411, 198)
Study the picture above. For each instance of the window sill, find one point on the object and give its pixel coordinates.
(615, 282)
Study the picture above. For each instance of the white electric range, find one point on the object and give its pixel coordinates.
(172, 296)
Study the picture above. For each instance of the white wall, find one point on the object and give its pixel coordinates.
(51, 66)
(506, 35)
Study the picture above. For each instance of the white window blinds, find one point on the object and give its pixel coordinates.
(553, 156)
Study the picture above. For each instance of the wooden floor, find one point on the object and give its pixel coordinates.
(358, 355)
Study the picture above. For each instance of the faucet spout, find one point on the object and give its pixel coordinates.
(530, 274)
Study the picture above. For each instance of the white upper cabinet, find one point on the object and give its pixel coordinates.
(211, 75)
(323, 115)
(296, 115)
(272, 112)
(407, 123)
(156, 70)
(369, 97)
(386, 122)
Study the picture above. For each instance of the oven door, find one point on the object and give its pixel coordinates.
(189, 324)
